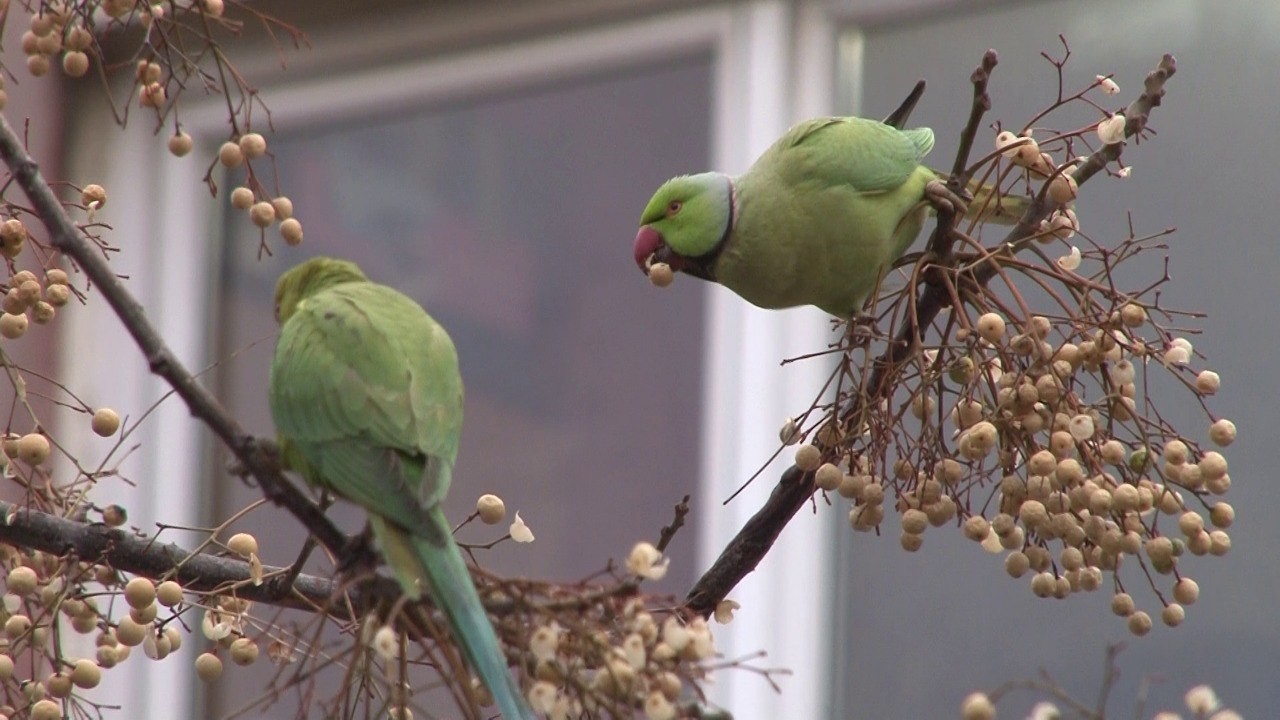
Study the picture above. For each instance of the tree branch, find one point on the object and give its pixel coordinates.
(68, 239)
(198, 572)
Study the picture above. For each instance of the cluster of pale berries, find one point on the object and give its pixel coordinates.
(34, 448)
(642, 665)
(152, 92)
(55, 29)
(1070, 481)
(492, 510)
(577, 673)
(42, 605)
(46, 595)
(1201, 700)
(262, 212)
(1025, 152)
(24, 292)
(225, 621)
(1203, 704)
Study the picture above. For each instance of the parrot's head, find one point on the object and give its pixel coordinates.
(308, 278)
(686, 223)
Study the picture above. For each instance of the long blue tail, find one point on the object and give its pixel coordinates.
(449, 582)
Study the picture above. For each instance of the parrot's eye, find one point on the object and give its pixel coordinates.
(674, 207)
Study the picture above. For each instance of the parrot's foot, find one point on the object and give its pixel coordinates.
(359, 557)
(937, 194)
(860, 329)
(264, 446)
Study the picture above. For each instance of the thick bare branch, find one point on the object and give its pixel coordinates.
(67, 238)
(97, 543)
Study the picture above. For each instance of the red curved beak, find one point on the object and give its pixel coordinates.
(648, 242)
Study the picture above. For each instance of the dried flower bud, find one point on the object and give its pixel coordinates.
(1202, 700)
(519, 531)
(544, 642)
(386, 642)
(1111, 130)
(43, 313)
(790, 434)
(1070, 261)
(978, 707)
(646, 561)
(1007, 144)
(724, 611)
(1063, 188)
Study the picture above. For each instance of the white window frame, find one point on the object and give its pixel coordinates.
(774, 64)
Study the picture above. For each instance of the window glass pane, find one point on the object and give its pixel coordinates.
(510, 217)
(917, 632)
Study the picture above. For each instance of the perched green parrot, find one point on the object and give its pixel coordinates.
(367, 400)
(815, 221)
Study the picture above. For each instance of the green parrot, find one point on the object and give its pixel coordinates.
(815, 221)
(367, 399)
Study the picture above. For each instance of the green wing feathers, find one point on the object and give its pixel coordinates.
(863, 155)
(367, 399)
(365, 383)
(824, 212)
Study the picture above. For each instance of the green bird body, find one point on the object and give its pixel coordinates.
(815, 221)
(367, 399)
